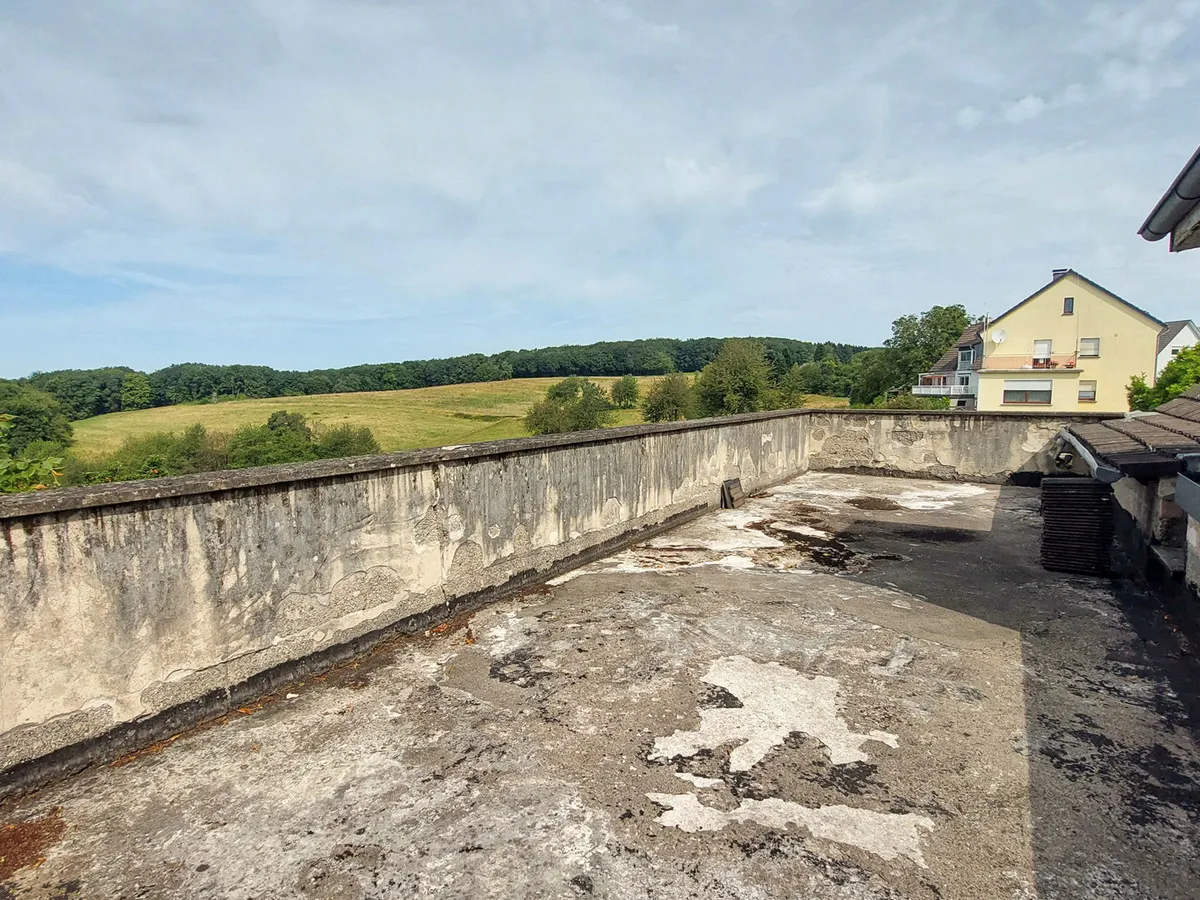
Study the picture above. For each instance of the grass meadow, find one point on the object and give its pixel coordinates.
(400, 420)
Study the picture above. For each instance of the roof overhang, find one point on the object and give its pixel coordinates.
(1177, 213)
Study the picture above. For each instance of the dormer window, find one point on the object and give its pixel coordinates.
(965, 359)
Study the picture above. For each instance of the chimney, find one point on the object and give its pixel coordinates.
(1058, 273)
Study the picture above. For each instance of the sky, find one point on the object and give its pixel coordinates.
(317, 183)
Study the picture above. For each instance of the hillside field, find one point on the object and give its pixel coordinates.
(400, 420)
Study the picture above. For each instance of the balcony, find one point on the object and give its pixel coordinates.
(1015, 363)
(943, 390)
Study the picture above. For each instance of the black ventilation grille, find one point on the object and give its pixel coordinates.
(1077, 525)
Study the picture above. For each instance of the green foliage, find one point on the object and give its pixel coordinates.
(285, 438)
(1181, 373)
(156, 456)
(135, 392)
(669, 399)
(345, 440)
(35, 416)
(83, 392)
(739, 380)
(28, 472)
(92, 392)
(912, 401)
(574, 404)
(625, 393)
(918, 341)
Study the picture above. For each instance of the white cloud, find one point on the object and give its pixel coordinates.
(315, 182)
(1028, 107)
(968, 117)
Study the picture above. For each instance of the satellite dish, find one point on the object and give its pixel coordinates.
(999, 335)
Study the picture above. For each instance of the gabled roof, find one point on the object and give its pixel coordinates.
(948, 362)
(1170, 332)
(1087, 281)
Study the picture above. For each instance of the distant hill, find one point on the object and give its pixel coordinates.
(84, 393)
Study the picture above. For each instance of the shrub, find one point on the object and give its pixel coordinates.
(573, 404)
(625, 393)
(669, 399)
(737, 381)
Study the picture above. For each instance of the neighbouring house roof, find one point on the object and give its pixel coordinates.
(1148, 445)
(1170, 332)
(948, 362)
(1087, 281)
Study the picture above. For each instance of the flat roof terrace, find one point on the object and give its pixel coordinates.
(851, 687)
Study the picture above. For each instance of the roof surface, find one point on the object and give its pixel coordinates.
(1169, 333)
(948, 362)
(1148, 445)
(872, 690)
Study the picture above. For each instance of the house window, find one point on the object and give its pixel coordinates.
(1029, 393)
(965, 359)
(1042, 351)
(1089, 346)
(1068, 306)
(1175, 351)
(1087, 392)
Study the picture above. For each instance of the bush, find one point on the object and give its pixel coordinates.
(1177, 376)
(573, 404)
(34, 416)
(345, 440)
(30, 471)
(285, 438)
(670, 399)
(737, 381)
(912, 401)
(625, 393)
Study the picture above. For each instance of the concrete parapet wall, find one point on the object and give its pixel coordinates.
(976, 447)
(130, 611)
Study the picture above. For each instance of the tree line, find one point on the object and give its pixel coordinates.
(82, 393)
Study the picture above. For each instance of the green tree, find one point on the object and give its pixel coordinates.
(737, 381)
(135, 391)
(625, 393)
(29, 472)
(1177, 376)
(285, 438)
(669, 399)
(36, 416)
(918, 341)
(573, 404)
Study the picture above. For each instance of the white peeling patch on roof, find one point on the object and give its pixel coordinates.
(700, 781)
(887, 835)
(776, 701)
(724, 531)
(939, 497)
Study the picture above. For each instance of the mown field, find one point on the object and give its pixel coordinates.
(400, 420)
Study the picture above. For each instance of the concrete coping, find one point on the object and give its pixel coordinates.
(87, 497)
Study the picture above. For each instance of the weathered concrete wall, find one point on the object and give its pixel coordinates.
(973, 446)
(129, 611)
(119, 612)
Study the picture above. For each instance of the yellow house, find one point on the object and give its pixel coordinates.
(1071, 345)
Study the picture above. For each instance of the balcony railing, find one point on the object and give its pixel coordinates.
(943, 390)
(1053, 361)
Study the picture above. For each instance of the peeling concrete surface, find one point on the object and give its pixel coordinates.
(1039, 733)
